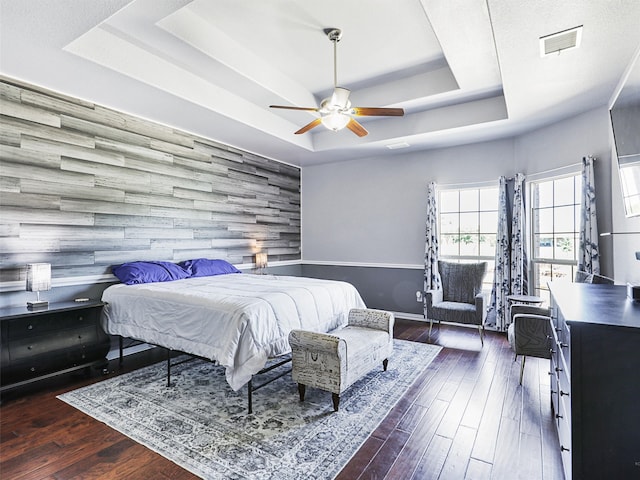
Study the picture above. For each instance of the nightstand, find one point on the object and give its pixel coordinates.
(41, 343)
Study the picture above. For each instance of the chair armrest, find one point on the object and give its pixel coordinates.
(481, 306)
(316, 342)
(432, 297)
(369, 318)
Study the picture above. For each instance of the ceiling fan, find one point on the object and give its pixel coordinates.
(336, 111)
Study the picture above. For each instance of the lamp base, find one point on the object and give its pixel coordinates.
(38, 304)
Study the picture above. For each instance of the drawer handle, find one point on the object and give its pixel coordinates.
(564, 393)
(30, 347)
(33, 369)
(564, 345)
(559, 416)
(30, 327)
(563, 449)
(558, 369)
(558, 330)
(553, 392)
(552, 351)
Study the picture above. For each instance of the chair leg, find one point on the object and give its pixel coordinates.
(301, 391)
(522, 368)
(430, 327)
(336, 401)
(481, 330)
(385, 362)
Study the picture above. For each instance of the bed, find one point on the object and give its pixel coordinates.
(239, 320)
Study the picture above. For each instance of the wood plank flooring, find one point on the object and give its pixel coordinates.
(466, 417)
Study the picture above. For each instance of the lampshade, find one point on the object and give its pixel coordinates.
(335, 121)
(38, 277)
(261, 260)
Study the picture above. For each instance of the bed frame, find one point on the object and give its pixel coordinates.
(250, 385)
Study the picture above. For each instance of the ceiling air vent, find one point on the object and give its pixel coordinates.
(557, 42)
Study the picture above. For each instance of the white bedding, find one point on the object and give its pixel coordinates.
(239, 320)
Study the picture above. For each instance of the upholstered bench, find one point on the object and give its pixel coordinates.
(334, 361)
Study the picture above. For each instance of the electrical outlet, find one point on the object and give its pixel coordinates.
(418, 296)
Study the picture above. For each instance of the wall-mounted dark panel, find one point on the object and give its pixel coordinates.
(83, 187)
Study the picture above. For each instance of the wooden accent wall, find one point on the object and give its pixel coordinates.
(84, 187)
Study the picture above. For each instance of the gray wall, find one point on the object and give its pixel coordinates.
(364, 220)
(84, 187)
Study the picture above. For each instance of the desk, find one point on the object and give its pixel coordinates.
(595, 383)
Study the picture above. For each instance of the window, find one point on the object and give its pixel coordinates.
(468, 221)
(555, 228)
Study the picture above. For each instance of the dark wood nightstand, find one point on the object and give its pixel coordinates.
(40, 343)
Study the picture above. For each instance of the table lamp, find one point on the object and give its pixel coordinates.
(261, 261)
(38, 280)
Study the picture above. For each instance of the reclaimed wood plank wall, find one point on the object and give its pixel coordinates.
(84, 187)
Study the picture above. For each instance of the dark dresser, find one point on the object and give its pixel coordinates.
(40, 343)
(595, 380)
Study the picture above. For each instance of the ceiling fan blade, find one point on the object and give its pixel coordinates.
(356, 128)
(378, 111)
(309, 126)
(310, 109)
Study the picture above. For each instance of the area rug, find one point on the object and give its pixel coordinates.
(202, 425)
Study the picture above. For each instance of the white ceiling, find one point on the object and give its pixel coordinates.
(463, 70)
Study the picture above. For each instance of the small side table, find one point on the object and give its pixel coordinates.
(525, 299)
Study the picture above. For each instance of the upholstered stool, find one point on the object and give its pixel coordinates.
(334, 361)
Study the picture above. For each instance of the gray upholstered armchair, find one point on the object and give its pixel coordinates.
(461, 299)
(530, 332)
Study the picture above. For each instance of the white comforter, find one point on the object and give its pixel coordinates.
(239, 320)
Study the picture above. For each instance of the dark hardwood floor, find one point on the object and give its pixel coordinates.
(465, 418)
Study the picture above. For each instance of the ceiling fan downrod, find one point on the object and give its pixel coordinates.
(334, 34)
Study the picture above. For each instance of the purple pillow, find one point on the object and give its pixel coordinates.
(203, 267)
(133, 273)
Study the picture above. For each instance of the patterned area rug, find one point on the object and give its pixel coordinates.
(202, 425)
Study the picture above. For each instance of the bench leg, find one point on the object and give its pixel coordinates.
(336, 401)
(385, 362)
(301, 391)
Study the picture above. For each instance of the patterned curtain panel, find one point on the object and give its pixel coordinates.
(431, 274)
(501, 282)
(588, 252)
(518, 250)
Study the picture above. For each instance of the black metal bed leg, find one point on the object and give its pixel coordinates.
(121, 358)
(250, 396)
(168, 367)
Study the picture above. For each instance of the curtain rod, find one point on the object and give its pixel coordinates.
(544, 172)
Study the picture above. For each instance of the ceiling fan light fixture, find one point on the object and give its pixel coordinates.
(335, 121)
(340, 97)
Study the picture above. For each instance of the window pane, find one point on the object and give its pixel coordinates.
(449, 244)
(564, 219)
(488, 199)
(469, 244)
(488, 221)
(487, 245)
(543, 246)
(544, 221)
(469, 200)
(469, 222)
(564, 193)
(449, 201)
(449, 223)
(565, 247)
(562, 273)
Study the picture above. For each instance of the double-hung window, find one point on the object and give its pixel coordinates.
(555, 228)
(468, 222)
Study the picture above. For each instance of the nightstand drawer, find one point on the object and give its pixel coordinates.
(42, 324)
(39, 345)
